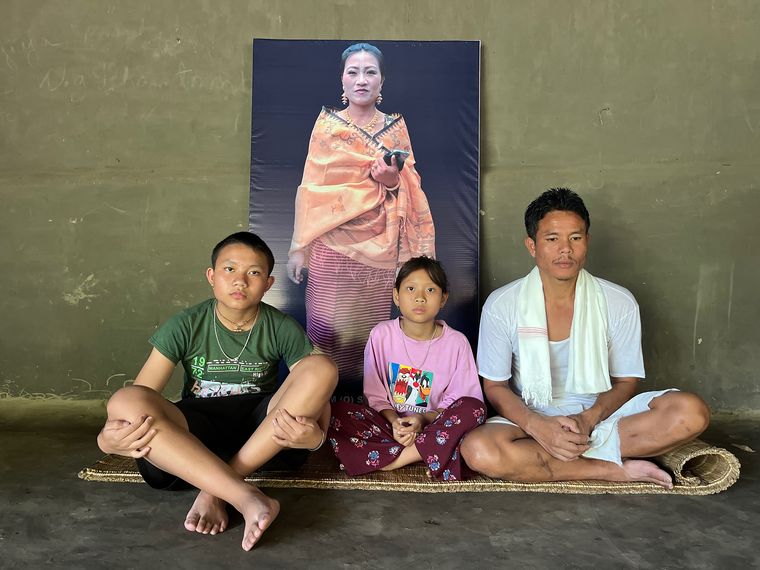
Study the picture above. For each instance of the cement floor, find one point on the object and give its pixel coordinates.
(52, 519)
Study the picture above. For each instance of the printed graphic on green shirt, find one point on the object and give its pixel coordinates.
(226, 377)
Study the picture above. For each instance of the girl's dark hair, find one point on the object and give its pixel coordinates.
(369, 48)
(433, 268)
(245, 238)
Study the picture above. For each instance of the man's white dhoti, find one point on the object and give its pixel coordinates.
(605, 438)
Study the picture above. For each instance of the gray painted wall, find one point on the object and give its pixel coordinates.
(124, 153)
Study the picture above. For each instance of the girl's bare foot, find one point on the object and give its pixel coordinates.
(641, 470)
(208, 515)
(259, 511)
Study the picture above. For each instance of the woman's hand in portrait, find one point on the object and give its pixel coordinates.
(385, 174)
(296, 261)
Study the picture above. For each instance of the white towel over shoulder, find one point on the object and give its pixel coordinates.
(588, 369)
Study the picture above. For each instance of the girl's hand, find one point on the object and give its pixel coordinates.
(405, 429)
(385, 174)
(412, 423)
(296, 432)
(405, 440)
(296, 261)
(404, 437)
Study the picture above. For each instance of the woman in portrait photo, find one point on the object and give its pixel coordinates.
(360, 213)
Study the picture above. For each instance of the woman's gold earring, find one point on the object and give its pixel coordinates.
(379, 98)
(344, 99)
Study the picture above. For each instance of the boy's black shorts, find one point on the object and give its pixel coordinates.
(223, 424)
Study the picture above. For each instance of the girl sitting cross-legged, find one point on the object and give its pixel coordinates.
(420, 383)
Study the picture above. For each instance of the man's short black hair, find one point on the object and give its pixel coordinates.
(246, 238)
(434, 270)
(554, 199)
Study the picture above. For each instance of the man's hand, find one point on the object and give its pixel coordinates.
(405, 429)
(121, 437)
(560, 436)
(586, 421)
(296, 432)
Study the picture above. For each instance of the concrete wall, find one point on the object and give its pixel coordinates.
(124, 154)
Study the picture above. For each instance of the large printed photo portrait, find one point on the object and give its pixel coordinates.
(364, 154)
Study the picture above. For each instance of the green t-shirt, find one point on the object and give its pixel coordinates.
(194, 337)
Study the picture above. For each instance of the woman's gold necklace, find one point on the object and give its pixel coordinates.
(369, 126)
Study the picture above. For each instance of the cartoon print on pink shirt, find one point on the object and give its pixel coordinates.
(410, 387)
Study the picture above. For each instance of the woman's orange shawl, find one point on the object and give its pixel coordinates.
(349, 212)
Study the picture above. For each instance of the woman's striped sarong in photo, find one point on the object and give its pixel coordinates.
(344, 300)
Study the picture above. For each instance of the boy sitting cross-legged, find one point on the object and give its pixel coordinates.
(232, 417)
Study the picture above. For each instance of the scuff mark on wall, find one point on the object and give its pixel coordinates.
(82, 291)
(714, 292)
(120, 377)
(696, 317)
(730, 291)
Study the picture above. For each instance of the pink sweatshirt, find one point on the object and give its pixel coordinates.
(398, 374)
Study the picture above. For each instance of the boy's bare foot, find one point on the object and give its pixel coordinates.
(258, 511)
(208, 515)
(641, 470)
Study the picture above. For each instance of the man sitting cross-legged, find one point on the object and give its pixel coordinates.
(231, 408)
(560, 356)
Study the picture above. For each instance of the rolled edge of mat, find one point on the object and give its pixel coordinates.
(698, 464)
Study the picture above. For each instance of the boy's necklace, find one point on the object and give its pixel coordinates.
(216, 334)
(238, 326)
(427, 350)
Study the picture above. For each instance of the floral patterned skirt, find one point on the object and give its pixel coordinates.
(362, 438)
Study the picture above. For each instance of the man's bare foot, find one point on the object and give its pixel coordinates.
(208, 515)
(641, 470)
(259, 511)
